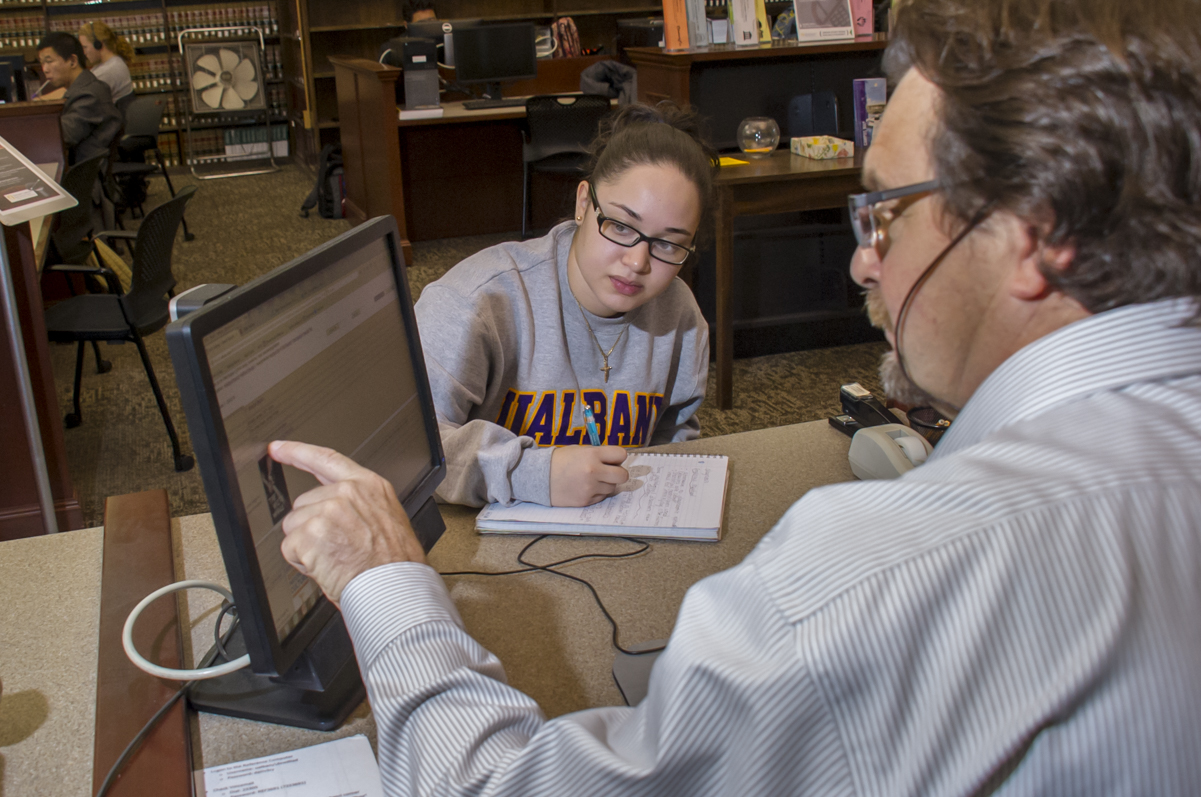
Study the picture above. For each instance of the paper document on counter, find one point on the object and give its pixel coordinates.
(674, 496)
(342, 768)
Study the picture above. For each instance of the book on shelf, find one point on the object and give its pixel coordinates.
(433, 112)
(870, 95)
(761, 19)
(823, 20)
(744, 24)
(675, 25)
(668, 496)
(698, 24)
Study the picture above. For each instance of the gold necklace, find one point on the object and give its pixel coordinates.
(604, 354)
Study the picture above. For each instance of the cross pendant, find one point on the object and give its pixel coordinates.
(606, 369)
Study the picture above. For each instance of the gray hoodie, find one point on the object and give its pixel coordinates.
(512, 364)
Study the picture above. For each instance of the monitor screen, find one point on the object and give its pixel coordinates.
(12, 78)
(492, 53)
(325, 361)
(323, 350)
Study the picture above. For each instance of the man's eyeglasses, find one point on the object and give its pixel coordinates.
(870, 222)
(624, 235)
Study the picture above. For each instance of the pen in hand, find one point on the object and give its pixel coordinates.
(590, 422)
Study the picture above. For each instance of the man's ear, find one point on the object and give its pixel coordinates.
(1029, 280)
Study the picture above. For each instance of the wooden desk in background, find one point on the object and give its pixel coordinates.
(552, 639)
(460, 174)
(783, 182)
(31, 127)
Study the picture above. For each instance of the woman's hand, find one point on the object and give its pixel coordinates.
(583, 475)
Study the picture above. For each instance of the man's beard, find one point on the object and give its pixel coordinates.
(897, 384)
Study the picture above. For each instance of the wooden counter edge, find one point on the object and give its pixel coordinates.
(138, 559)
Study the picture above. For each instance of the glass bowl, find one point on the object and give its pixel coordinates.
(758, 136)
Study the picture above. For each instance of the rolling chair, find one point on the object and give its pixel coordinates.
(143, 116)
(71, 242)
(124, 103)
(559, 130)
(132, 315)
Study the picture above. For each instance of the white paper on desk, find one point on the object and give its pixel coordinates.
(342, 768)
(668, 495)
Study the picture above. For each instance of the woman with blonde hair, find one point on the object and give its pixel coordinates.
(109, 56)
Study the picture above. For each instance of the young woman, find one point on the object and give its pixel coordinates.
(109, 57)
(521, 337)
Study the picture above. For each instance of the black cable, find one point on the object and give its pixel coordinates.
(530, 567)
(535, 568)
(218, 642)
(141, 735)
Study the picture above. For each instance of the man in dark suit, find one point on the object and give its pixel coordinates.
(89, 119)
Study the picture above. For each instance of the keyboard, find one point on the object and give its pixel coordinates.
(483, 105)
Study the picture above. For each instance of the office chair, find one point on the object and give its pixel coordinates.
(124, 103)
(132, 315)
(559, 129)
(143, 116)
(71, 242)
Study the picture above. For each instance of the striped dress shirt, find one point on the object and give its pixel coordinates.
(1019, 615)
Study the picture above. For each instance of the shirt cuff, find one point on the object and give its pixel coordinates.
(387, 601)
(531, 477)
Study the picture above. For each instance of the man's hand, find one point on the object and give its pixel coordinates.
(583, 475)
(349, 525)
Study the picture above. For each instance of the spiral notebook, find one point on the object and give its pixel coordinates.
(671, 496)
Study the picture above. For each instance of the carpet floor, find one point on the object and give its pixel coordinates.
(247, 226)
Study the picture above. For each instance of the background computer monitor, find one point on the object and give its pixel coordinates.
(323, 350)
(440, 31)
(490, 54)
(12, 78)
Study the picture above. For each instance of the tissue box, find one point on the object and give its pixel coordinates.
(822, 147)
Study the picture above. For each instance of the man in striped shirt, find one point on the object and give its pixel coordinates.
(1022, 613)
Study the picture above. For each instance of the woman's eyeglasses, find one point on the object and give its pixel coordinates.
(624, 235)
(870, 221)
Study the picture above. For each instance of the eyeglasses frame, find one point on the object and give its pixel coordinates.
(857, 202)
(601, 218)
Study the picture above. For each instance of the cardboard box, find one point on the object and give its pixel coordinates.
(822, 147)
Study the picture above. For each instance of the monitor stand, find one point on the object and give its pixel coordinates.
(329, 661)
(248, 695)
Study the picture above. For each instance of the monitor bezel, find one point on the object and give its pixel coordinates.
(474, 30)
(270, 655)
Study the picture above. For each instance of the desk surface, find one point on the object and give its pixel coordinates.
(783, 165)
(552, 639)
(454, 112)
(773, 49)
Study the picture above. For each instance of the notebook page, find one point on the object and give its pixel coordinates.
(664, 491)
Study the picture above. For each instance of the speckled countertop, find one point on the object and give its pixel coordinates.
(551, 637)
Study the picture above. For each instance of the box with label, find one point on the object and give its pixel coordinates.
(870, 96)
(823, 147)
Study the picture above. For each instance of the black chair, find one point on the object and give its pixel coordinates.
(559, 131)
(132, 315)
(143, 117)
(75, 228)
(124, 103)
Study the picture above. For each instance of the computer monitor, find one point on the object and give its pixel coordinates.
(12, 78)
(440, 31)
(490, 54)
(323, 350)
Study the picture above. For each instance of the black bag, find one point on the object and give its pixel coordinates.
(326, 195)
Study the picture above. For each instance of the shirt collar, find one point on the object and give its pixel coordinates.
(1104, 352)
